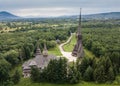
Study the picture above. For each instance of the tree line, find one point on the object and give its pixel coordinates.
(89, 69)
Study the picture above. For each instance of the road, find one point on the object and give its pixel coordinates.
(67, 54)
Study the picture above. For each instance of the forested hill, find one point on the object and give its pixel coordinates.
(110, 15)
(6, 15)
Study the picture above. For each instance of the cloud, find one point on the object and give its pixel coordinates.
(58, 7)
(44, 12)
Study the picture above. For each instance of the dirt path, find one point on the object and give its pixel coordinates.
(67, 54)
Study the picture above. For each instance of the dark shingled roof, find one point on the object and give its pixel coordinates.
(40, 61)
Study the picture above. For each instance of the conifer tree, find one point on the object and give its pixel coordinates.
(35, 72)
(4, 71)
(83, 66)
(74, 75)
(104, 70)
(16, 77)
(88, 75)
(111, 75)
(99, 74)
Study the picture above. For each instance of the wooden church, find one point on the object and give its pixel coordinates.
(78, 48)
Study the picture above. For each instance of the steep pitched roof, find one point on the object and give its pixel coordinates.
(38, 51)
(40, 60)
(45, 51)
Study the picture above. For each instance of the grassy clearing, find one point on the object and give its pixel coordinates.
(88, 53)
(55, 51)
(69, 47)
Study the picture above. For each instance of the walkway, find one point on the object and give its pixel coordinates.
(67, 54)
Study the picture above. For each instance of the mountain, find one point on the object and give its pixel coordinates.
(110, 15)
(101, 16)
(6, 15)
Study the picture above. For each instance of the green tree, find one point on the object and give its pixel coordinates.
(57, 70)
(99, 74)
(83, 65)
(115, 58)
(16, 77)
(104, 70)
(12, 57)
(35, 72)
(88, 75)
(111, 75)
(4, 71)
(74, 75)
(26, 54)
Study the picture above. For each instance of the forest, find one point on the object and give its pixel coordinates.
(18, 41)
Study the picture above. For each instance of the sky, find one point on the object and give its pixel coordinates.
(54, 8)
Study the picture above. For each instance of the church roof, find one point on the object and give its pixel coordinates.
(26, 68)
(38, 51)
(40, 61)
(33, 63)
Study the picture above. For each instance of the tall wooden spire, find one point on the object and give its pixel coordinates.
(78, 49)
(38, 51)
(45, 51)
(79, 27)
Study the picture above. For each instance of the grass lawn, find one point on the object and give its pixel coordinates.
(27, 82)
(88, 53)
(55, 51)
(69, 47)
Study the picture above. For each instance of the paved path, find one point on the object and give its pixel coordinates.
(67, 54)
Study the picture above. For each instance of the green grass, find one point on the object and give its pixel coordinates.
(55, 51)
(88, 53)
(27, 82)
(69, 47)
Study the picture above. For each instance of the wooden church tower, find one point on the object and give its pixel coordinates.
(78, 48)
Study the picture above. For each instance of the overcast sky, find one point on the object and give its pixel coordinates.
(43, 8)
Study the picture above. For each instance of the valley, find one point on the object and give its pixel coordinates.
(18, 42)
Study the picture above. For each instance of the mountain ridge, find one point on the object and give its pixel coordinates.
(108, 15)
(4, 15)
